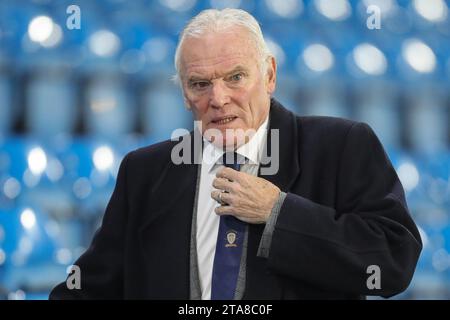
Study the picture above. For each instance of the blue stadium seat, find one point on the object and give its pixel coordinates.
(161, 103)
(6, 109)
(29, 250)
(53, 95)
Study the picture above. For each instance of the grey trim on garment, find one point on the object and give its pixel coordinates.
(194, 282)
(266, 238)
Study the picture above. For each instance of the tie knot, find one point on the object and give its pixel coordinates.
(233, 160)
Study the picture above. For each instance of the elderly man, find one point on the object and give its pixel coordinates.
(330, 222)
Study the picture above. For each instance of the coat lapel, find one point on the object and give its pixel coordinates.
(260, 284)
(289, 166)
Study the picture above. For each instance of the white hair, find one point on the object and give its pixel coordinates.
(213, 20)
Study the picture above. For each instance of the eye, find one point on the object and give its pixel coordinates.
(236, 77)
(199, 85)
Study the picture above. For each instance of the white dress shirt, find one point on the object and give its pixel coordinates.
(207, 219)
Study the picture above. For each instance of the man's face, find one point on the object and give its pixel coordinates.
(223, 84)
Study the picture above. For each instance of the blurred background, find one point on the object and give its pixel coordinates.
(74, 99)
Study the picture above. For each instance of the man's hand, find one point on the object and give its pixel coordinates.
(247, 197)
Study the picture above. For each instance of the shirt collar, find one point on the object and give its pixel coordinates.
(252, 150)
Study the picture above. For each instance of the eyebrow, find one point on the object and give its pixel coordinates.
(238, 68)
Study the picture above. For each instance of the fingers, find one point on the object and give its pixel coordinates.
(228, 207)
(231, 211)
(223, 184)
(222, 197)
(224, 210)
(229, 174)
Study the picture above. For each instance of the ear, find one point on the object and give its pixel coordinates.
(271, 75)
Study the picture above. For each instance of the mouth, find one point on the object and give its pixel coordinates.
(223, 120)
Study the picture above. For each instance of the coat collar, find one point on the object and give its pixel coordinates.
(282, 126)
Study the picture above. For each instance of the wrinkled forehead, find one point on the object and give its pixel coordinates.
(217, 50)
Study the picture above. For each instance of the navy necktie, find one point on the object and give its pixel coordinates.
(230, 239)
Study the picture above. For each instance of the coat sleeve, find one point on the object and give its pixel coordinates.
(370, 225)
(101, 266)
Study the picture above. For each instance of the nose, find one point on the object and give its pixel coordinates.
(219, 95)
